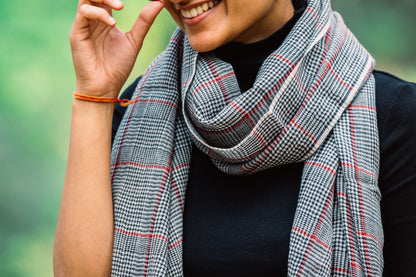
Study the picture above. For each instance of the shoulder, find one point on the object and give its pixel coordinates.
(396, 110)
(395, 102)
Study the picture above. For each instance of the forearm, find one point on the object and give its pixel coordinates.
(84, 234)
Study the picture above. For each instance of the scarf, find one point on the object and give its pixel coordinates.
(313, 101)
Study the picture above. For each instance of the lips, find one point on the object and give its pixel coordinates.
(195, 11)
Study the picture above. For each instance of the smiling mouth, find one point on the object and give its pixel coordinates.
(195, 11)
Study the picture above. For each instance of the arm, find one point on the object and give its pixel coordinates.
(103, 58)
(84, 234)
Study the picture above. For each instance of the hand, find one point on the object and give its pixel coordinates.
(103, 55)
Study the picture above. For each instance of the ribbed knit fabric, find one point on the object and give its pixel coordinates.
(313, 101)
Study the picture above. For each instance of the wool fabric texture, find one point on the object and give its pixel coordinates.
(313, 101)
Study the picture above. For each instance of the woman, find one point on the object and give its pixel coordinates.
(279, 92)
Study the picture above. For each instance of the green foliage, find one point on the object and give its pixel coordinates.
(36, 84)
(386, 28)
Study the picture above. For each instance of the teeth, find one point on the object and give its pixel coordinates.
(194, 12)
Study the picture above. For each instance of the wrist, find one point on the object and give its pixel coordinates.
(91, 108)
(100, 99)
(96, 90)
(91, 124)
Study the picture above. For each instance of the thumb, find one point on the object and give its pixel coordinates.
(144, 22)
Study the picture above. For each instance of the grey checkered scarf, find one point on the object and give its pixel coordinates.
(313, 101)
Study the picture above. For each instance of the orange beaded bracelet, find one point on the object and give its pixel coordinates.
(99, 99)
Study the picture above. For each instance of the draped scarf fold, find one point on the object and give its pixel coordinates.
(313, 101)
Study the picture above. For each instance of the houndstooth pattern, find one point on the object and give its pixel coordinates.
(313, 101)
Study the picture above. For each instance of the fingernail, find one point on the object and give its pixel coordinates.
(111, 20)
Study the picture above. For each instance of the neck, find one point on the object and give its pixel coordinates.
(281, 12)
(247, 59)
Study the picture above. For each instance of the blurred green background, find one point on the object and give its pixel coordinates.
(36, 84)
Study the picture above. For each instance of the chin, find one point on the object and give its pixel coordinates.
(205, 44)
(202, 47)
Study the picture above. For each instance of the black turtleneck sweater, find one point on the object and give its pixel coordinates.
(240, 226)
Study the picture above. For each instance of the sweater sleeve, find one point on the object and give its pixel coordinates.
(119, 110)
(396, 104)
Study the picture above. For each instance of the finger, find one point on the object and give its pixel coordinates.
(112, 4)
(89, 12)
(144, 21)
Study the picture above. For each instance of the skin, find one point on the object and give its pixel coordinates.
(245, 21)
(103, 58)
